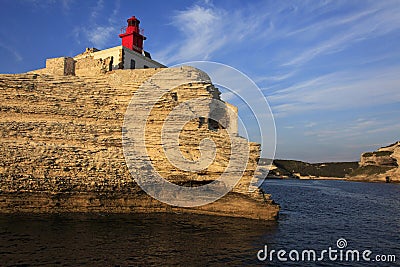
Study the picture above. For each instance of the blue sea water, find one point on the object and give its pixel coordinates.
(314, 215)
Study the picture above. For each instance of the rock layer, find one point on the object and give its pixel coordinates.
(379, 166)
(61, 146)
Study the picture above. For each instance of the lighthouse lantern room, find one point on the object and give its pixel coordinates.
(132, 38)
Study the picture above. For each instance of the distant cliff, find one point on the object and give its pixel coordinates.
(377, 166)
(381, 165)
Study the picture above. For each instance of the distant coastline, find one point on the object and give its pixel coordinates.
(377, 166)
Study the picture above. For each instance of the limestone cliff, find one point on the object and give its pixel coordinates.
(61, 146)
(380, 165)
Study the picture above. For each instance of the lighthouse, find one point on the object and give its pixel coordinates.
(129, 55)
(132, 38)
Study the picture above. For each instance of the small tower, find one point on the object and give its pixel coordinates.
(132, 38)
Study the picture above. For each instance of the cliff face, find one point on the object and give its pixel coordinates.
(61, 146)
(380, 164)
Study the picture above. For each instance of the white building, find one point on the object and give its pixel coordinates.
(129, 55)
(122, 58)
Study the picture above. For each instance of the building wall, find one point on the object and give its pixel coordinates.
(60, 66)
(122, 57)
(114, 52)
(141, 62)
(91, 66)
(93, 62)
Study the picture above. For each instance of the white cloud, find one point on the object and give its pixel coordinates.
(96, 10)
(289, 127)
(208, 29)
(351, 132)
(310, 124)
(45, 4)
(99, 31)
(338, 91)
(12, 50)
(277, 77)
(100, 36)
(205, 30)
(66, 5)
(376, 19)
(201, 35)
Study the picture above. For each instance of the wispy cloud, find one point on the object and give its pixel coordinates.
(12, 51)
(98, 31)
(351, 131)
(310, 124)
(375, 19)
(338, 91)
(99, 36)
(195, 43)
(275, 78)
(206, 30)
(314, 59)
(66, 4)
(96, 10)
(46, 4)
(321, 29)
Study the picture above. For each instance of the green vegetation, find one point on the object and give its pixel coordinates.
(377, 154)
(330, 169)
(376, 162)
(370, 170)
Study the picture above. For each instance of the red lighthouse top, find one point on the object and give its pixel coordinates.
(132, 38)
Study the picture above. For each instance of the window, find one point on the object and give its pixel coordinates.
(133, 64)
(110, 65)
(214, 125)
(201, 121)
(145, 67)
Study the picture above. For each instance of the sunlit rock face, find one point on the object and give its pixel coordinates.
(61, 144)
(381, 165)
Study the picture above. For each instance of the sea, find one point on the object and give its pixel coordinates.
(321, 223)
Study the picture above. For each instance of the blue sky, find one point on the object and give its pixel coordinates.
(329, 69)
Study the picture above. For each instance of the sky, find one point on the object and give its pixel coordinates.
(330, 70)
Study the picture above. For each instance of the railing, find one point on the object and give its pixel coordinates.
(123, 30)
